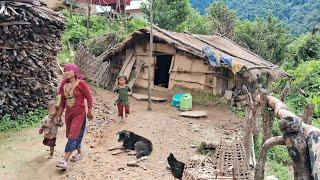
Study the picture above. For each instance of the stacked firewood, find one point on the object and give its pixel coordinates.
(29, 42)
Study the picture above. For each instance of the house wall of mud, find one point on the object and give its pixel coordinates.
(186, 71)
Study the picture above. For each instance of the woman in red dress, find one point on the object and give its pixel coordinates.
(74, 91)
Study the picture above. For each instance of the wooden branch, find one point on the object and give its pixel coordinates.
(259, 170)
(248, 123)
(261, 100)
(14, 23)
(116, 148)
(281, 111)
(308, 113)
(302, 141)
(134, 163)
(267, 124)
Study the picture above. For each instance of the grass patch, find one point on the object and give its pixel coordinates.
(240, 113)
(199, 97)
(280, 155)
(279, 170)
(201, 149)
(22, 121)
(316, 123)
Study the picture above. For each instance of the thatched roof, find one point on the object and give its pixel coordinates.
(193, 44)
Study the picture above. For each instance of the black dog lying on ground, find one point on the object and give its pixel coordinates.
(176, 166)
(132, 141)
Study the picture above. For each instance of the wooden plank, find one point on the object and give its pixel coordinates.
(162, 47)
(127, 70)
(194, 114)
(172, 64)
(145, 97)
(129, 55)
(135, 75)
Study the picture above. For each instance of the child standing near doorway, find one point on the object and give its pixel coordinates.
(123, 100)
(49, 127)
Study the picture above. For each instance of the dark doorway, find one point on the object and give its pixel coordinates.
(161, 76)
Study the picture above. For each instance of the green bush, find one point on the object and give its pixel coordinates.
(306, 78)
(280, 155)
(100, 26)
(22, 121)
(278, 170)
(136, 24)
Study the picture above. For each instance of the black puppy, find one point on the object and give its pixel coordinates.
(176, 166)
(132, 141)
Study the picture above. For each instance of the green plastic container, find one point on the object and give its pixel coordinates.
(186, 102)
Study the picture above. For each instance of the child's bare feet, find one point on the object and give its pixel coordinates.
(50, 156)
(120, 119)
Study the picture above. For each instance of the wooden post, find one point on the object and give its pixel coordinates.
(247, 143)
(307, 114)
(88, 18)
(150, 57)
(285, 92)
(125, 16)
(71, 7)
(260, 101)
(268, 116)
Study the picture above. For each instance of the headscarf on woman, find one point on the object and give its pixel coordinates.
(75, 69)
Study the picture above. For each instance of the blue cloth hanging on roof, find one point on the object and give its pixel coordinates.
(212, 57)
(226, 61)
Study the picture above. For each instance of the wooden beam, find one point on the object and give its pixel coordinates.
(259, 169)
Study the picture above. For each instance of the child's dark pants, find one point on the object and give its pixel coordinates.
(120, 109)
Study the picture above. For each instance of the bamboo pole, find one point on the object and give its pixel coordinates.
(125, 16)
(150, 57)
(88, 17)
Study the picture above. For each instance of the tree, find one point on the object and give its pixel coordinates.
(304, 48)
(222, 19)
(196, 23)
(266, 37)
(299, 15)
(309, 48)
(170, 14)
(177, 15)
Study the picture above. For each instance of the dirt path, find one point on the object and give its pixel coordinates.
(22, 156)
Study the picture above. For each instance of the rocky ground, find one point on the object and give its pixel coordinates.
(22, 155)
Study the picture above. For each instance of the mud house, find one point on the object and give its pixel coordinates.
(183, 59)
(179, 60)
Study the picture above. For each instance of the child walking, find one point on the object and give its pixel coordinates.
(49, 127)
(123, 100)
